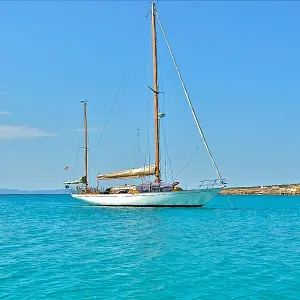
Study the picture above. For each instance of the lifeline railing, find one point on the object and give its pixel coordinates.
(211, 184)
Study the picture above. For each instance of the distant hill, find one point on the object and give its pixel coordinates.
(281, 189)
(37, 192)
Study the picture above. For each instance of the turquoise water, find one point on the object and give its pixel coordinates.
(55, 247)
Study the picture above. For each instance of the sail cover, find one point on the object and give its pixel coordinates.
(80, 180)
(133, 173)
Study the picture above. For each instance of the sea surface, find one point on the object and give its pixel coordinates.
(238, 247)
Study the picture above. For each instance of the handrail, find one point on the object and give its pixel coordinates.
(212, 183)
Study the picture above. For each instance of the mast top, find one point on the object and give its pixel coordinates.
(153, 4)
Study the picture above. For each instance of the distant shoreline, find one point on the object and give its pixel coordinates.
(272, 190)
(36, 192)
(282, 189)
(32, 194)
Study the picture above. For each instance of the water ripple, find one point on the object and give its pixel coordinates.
(52, 247)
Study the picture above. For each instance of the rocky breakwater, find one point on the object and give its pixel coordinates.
(284, 189)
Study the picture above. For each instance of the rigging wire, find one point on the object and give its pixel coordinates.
(177, 157)
(75, 171)
(71, 152)
(76, 168)
(160, 82)
(69, 160)
(187, 162)
(137, 156)
(147, 101)
(188, 98)
(167, 154)
(164, 156)
(138, 139)
(161, 104)
(109, 114)
(73, 141)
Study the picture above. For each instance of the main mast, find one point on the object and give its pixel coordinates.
(85, 144)
(155, 89)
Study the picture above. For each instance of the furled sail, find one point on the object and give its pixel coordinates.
(133, 173)
(79, 181)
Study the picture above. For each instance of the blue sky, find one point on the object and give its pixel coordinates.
(240, 61)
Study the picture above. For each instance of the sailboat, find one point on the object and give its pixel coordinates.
(153, 193)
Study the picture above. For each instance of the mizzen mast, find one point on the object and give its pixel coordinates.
(155, 90)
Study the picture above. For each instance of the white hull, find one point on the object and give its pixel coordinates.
(181, 198)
